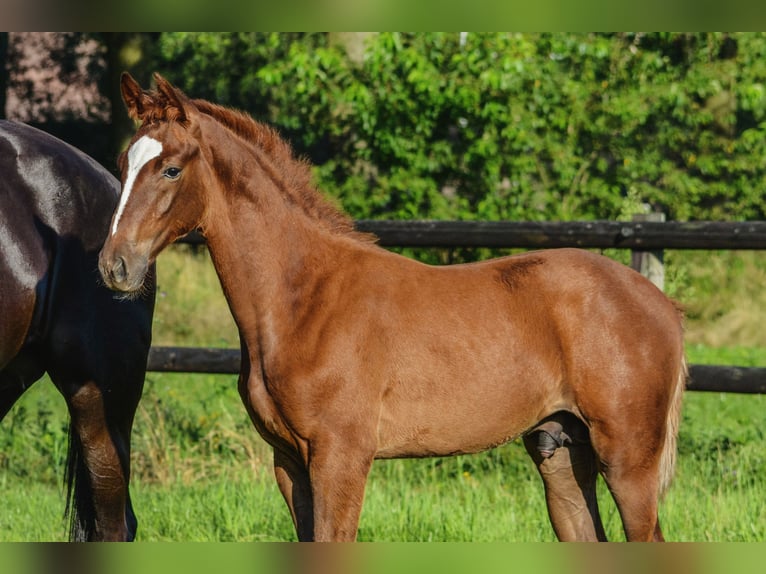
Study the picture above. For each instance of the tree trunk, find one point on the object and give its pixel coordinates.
(131, 52)
(3, 71)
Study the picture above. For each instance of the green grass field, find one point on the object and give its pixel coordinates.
(201, 473)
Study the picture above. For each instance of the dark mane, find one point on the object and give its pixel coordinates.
(298, 186)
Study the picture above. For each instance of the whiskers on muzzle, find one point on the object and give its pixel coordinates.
(142, 291)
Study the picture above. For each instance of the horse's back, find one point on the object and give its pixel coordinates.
(564, 290)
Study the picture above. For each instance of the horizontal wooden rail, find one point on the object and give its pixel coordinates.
(712, 378)
(640, 235)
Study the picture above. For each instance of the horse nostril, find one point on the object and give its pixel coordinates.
(119, 271)
(124, 273)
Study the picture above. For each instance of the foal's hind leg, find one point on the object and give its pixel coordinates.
(631, 473)
(560, 448)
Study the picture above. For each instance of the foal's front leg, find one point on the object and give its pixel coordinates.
(293, 481)
(338, 470)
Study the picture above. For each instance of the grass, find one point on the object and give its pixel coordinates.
(201, 473)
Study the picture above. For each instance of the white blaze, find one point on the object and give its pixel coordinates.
(139, 154)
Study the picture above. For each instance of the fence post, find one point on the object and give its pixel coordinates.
(649, 263)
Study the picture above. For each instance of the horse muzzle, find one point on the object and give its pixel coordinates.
(122, 271)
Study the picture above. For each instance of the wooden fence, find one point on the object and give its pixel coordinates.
(643, 237)
(637, 234)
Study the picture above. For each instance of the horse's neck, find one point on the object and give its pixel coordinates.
(259, 246)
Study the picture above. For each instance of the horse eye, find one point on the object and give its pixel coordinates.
(172, 172)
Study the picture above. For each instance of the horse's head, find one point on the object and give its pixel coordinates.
(162, 183)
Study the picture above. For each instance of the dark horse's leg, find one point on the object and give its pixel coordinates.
(102, 413)
(565, 459)
(98, 358)
(99, 459)
(97, 476)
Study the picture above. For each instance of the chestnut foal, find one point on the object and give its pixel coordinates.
(352, 353)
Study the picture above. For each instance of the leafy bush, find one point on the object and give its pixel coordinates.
(504, 126)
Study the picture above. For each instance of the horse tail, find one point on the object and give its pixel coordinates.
(668, 458)
(79, 500)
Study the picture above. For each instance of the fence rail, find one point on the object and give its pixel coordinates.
(226, 361)
(641, 237)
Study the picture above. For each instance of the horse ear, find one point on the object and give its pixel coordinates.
(176, 100)
(132, 95)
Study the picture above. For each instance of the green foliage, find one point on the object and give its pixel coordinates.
(505, 126)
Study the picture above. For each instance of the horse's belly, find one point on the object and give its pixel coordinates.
(453, 419)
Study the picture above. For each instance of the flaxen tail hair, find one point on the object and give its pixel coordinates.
(668, 458)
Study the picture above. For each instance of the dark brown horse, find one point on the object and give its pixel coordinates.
(57, 316)
(352, 353)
